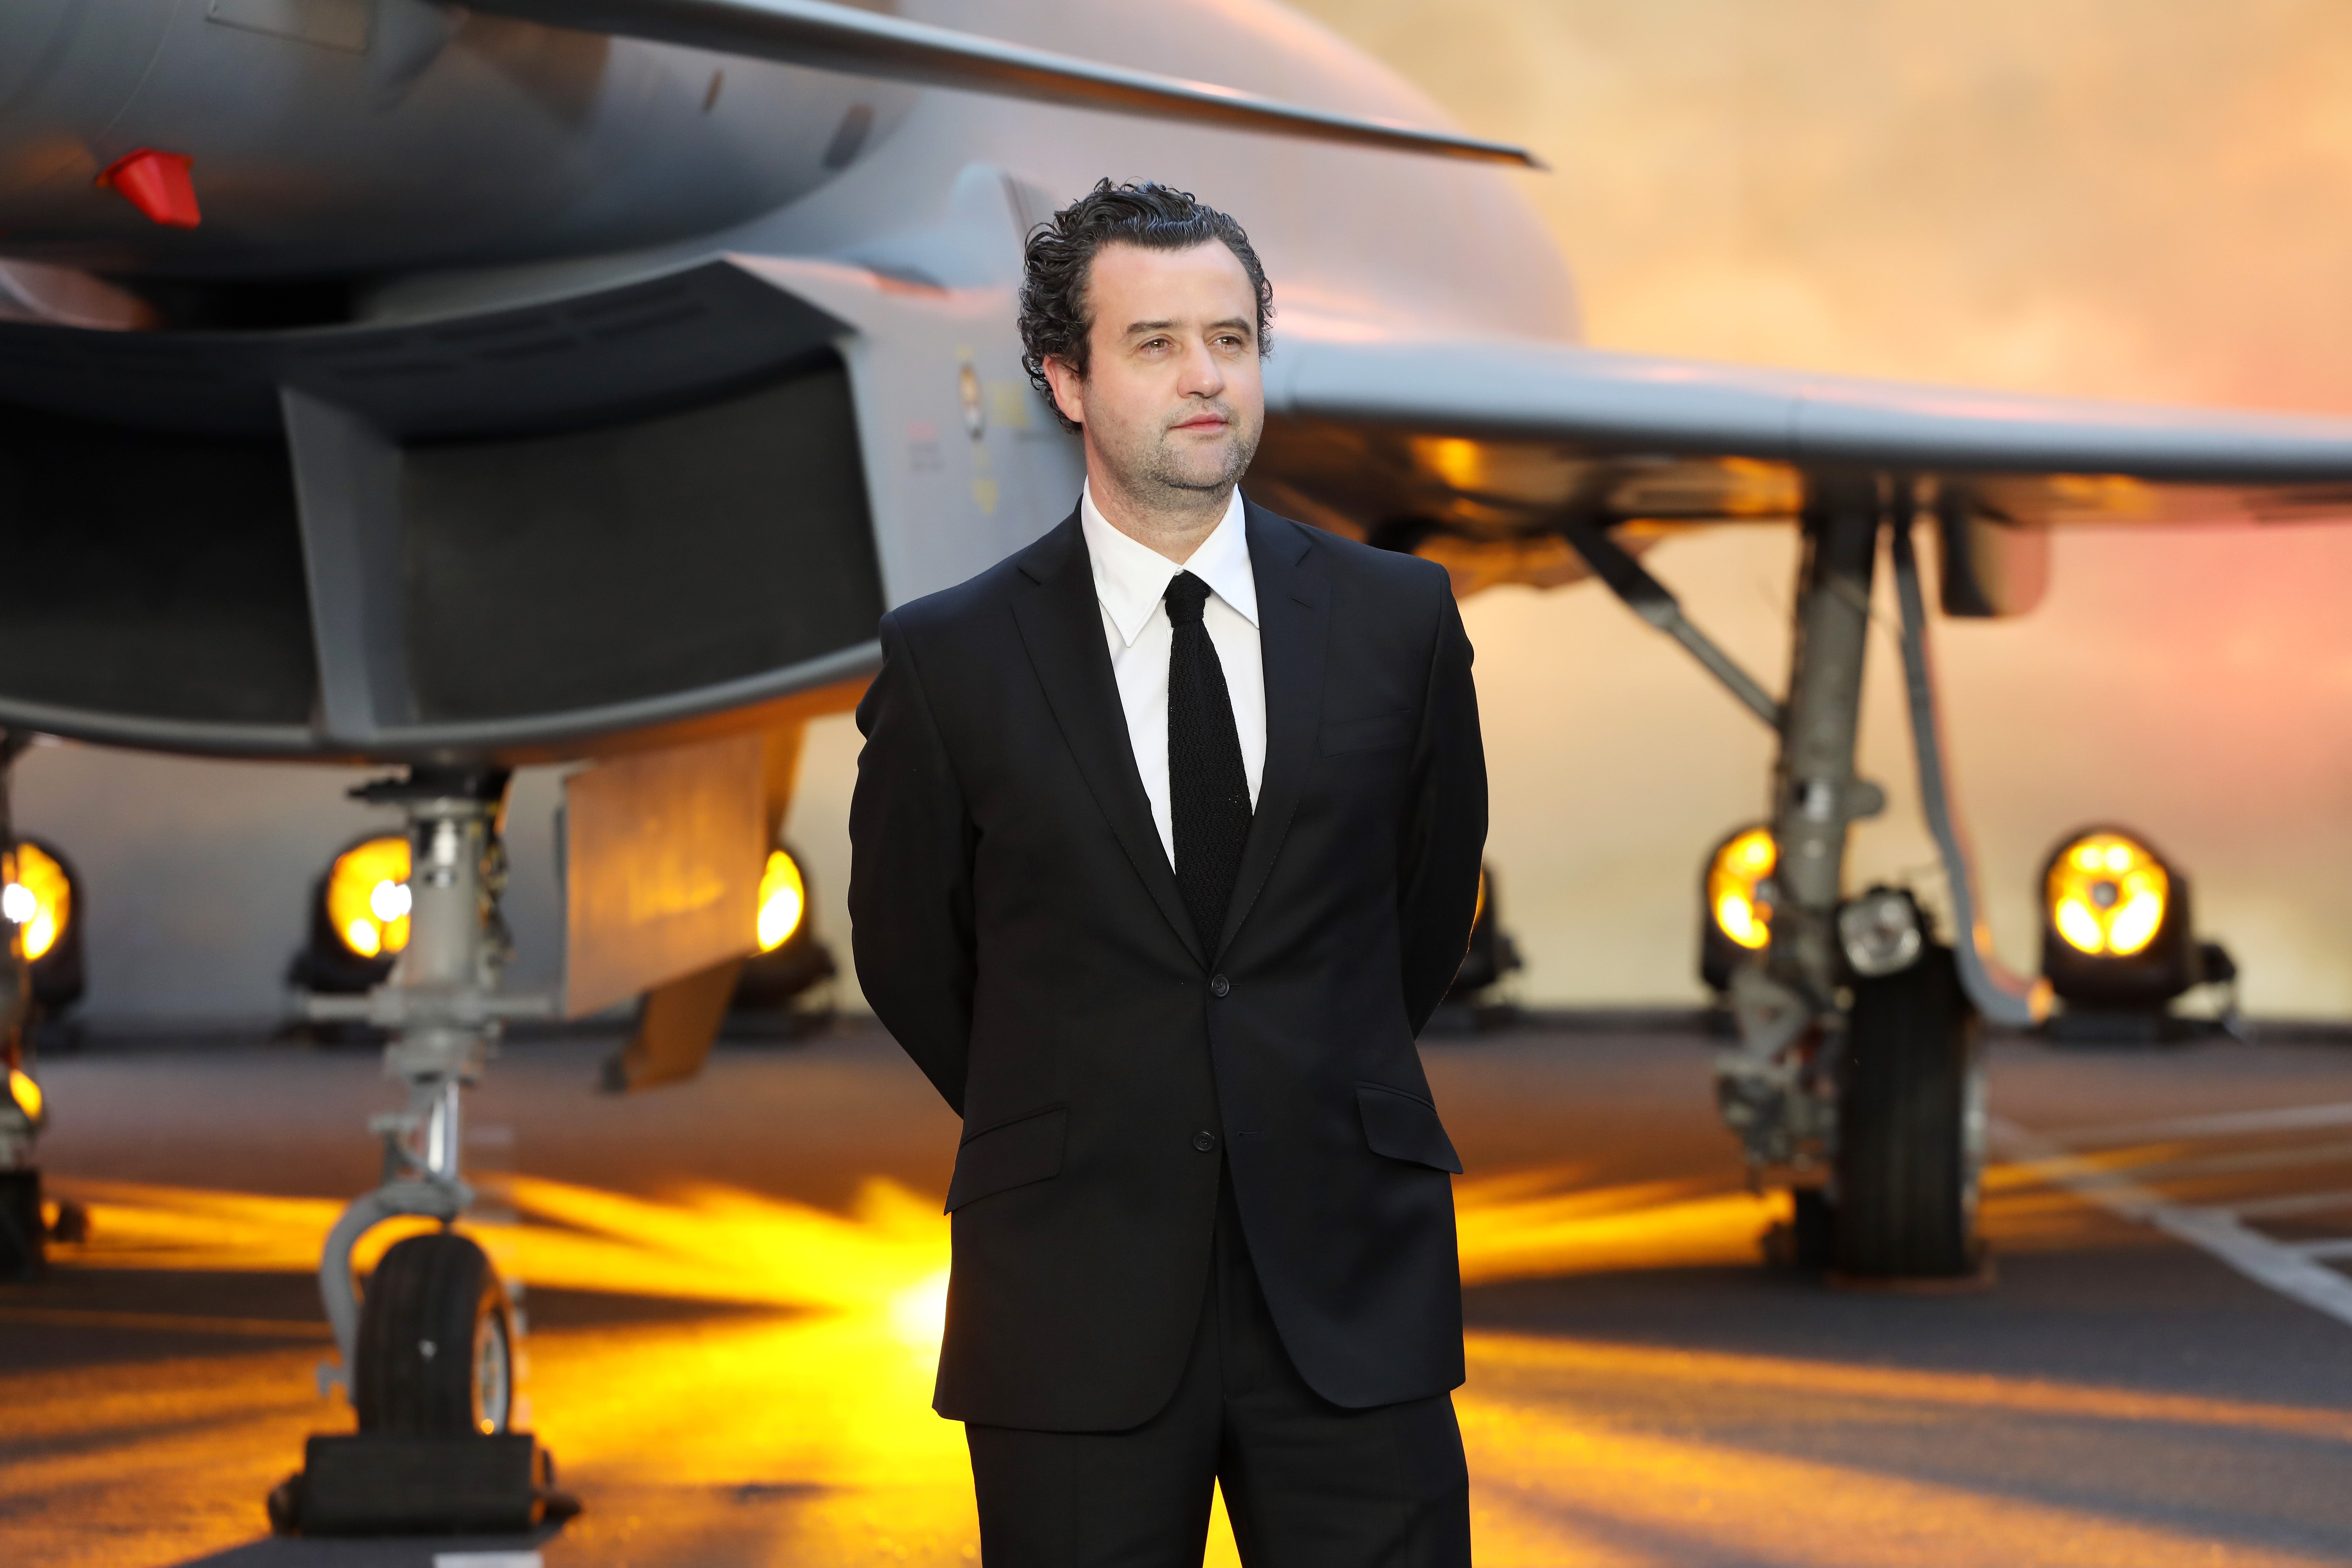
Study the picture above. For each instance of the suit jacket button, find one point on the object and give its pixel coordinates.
(1219, 985)
(1204, 1141)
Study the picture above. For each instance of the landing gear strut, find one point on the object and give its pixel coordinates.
(1857, 1042)
(1856, 1080)
(430, 1357)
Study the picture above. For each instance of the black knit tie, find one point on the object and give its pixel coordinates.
(1208, 790)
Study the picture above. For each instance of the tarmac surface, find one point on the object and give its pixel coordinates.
(734, 1289)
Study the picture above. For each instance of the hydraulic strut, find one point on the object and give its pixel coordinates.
(442, 1006)
(1769, 1089)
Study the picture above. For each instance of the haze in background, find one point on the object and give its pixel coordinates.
(2125, 198)
(2131, 198)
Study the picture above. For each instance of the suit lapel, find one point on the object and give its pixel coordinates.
(1061, 624)
(1294, 606)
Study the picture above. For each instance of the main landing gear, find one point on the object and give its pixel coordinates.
(1857, 1082)
(431, 1355)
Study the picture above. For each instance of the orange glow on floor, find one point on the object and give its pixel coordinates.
(808, 1427)
(1551, 1487)
(812, 1423)
(1540, 1223)
(720, 1244)
(1528, 1356)
(888, 1254)
(701, 1243)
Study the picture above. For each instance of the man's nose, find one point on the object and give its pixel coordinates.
(1202, 376)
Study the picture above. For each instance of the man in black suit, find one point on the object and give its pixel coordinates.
(1167, 839)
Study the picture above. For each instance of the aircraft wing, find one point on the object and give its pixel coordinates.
(1491, 436)
(828, 37)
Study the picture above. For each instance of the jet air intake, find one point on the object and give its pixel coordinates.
(492, 534)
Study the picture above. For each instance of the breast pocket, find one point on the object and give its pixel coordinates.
(1008, 1155)
(1344, 736)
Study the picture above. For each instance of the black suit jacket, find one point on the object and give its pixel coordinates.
(1019, 931)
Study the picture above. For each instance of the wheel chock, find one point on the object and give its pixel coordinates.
(401, 1483)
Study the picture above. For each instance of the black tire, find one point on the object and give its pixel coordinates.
(436, 1350)
(22, 1237)
(72, 1226)
(1813, 1229)
(284, 1505)
(1910, 1127)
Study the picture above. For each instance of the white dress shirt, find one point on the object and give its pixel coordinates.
(1129, 579)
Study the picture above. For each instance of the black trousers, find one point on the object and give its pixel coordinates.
(1307, 1484)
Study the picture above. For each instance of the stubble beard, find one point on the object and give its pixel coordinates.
(1161, 468)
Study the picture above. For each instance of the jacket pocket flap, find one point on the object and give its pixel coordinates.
(1405, 1127)
(1367, 735)
(1009, 1154)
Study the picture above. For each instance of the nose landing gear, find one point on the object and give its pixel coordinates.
(431, 1356)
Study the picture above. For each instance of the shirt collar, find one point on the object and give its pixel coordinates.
(1131, 577)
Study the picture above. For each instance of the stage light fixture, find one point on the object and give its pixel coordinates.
(359, 918)
(367, 897)
(2118, 942)
(789, 960)
(784, 900)
(26, 1094)
(41, 896)
(38, 899)
(2107, 893)
(1733, 893)
(1736, 899)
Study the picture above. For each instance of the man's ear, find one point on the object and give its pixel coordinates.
(1069, 388)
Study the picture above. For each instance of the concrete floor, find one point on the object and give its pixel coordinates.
(734, 1289)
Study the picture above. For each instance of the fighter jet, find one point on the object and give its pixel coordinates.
(455, 387)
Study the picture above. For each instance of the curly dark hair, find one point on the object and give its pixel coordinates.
(1060, 255)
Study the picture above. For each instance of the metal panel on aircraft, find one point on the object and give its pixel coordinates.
(599, 567)
(662, 855)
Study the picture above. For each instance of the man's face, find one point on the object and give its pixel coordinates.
(1173, 398)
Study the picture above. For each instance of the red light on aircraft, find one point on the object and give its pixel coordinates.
(157, 184)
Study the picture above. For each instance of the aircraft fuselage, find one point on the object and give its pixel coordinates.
(435, 246)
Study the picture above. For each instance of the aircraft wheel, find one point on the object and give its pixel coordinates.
(21, 1234)
(72, 1223)
(1813, 1229)
(437, 1351)
(1910, 1126)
